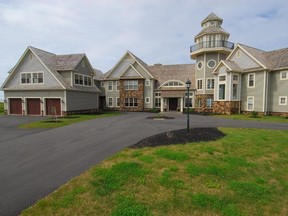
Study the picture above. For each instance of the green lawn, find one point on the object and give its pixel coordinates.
(1, 108)
(60, 122)
(244, 173)
(257, 118)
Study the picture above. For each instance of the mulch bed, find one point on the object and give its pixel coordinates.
(180, 137)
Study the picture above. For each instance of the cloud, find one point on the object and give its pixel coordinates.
(156, 31)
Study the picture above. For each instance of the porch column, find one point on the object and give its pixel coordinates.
(181, 104)
(162, 104)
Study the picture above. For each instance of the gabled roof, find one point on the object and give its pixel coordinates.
(138, 60)
(181, 72)
(256, 54)
(230, 65)
(68, 62)
(98, 74)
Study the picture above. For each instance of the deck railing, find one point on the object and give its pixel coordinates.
(212, 44)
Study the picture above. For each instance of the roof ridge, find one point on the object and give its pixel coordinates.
(277, 50)
(170, 65)
(252, 47)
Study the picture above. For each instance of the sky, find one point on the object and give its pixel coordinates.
(157, 31)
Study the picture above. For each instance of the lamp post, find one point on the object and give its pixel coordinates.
(188, 84)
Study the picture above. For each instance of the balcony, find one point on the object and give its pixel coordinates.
(212, 44)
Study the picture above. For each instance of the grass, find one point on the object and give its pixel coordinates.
(244, 173)
(279, 119)
(64, 121)
(1, 108)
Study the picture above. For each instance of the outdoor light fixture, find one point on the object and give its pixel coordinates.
(188, 84)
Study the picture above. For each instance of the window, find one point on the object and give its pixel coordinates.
(222, 78)
(210, 84)
(87, 81)
(157, 94)
(283, 100)
(235, 77)
(221, 92)
(147, 100)
(147, 82)
(131, 84)
(110, 86)
(32, 78)
(173, 84)
(284, 75)
(200, 65)
(199, 84)
(117, 85)
(250, 103)
(190, 102)
(157, 102)
(110, 102)
(251, 80)
(211, 63)
(235, 91)
(209, 102)
(131, 102)
(80, 79)
(102, 84)
(117, 102)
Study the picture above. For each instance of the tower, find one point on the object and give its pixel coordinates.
(211, 46)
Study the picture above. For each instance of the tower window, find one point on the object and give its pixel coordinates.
(200, 65)
(211, 63)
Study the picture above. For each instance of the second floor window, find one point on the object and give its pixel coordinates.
(131, 84)
(199, 84)
(210, 84)
(32, 78)
(110, 86)
(251, 80)
(83, 80)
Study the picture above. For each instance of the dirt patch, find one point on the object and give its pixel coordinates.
(180, 137)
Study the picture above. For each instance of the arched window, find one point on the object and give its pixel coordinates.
(173, 83)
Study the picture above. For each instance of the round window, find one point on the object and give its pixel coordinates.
(211, 63)
(200, 65)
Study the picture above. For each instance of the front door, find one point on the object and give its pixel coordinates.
(173, 102)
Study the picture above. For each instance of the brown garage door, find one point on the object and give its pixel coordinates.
(33, 106)
(53, 106)
(15, 106)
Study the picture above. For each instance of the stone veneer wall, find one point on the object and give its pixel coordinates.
(139, 94)
(226, 107)
(203, 108)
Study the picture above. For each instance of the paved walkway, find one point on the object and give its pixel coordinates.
(35, 164)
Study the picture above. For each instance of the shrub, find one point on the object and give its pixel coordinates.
(154, 110)
(254, 114)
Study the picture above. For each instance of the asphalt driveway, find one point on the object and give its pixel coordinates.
(34, 164)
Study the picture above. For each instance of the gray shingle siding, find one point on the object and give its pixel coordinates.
(77, 100)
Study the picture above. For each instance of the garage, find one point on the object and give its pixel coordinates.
(33, 106)
(15, 106)
(53, 106)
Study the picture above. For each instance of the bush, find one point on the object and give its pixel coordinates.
(154, 110)
(254, 114)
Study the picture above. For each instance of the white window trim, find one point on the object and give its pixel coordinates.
(198, 66)
(83, 78)
(248, 103)
(207, 84)
(253, 80)
(147, 82)
(31, 78)
(147, 101)
(211, 61)
(108, 101)
(197, 84)
(225, 95)
(117, 82)
(133, 89)
(286, 75)
(222, 81)
(280, 97)
(108, 86)
(117, 98)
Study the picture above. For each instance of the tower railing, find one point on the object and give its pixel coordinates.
(212, 44)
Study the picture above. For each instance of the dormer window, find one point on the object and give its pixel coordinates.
(82, 80)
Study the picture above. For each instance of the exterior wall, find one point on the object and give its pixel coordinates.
(226, 107)
(32, 65)
(277, 88)
(78, 100)
(200, 103)
(244, 61)
(142, 71)
(149, 92)
(139, 94)
(121, 66)
(111, 94)
(42, 95)
(256, 92)
(199, 74)
(67, 76)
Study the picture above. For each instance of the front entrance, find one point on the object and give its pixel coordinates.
(173, 103)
